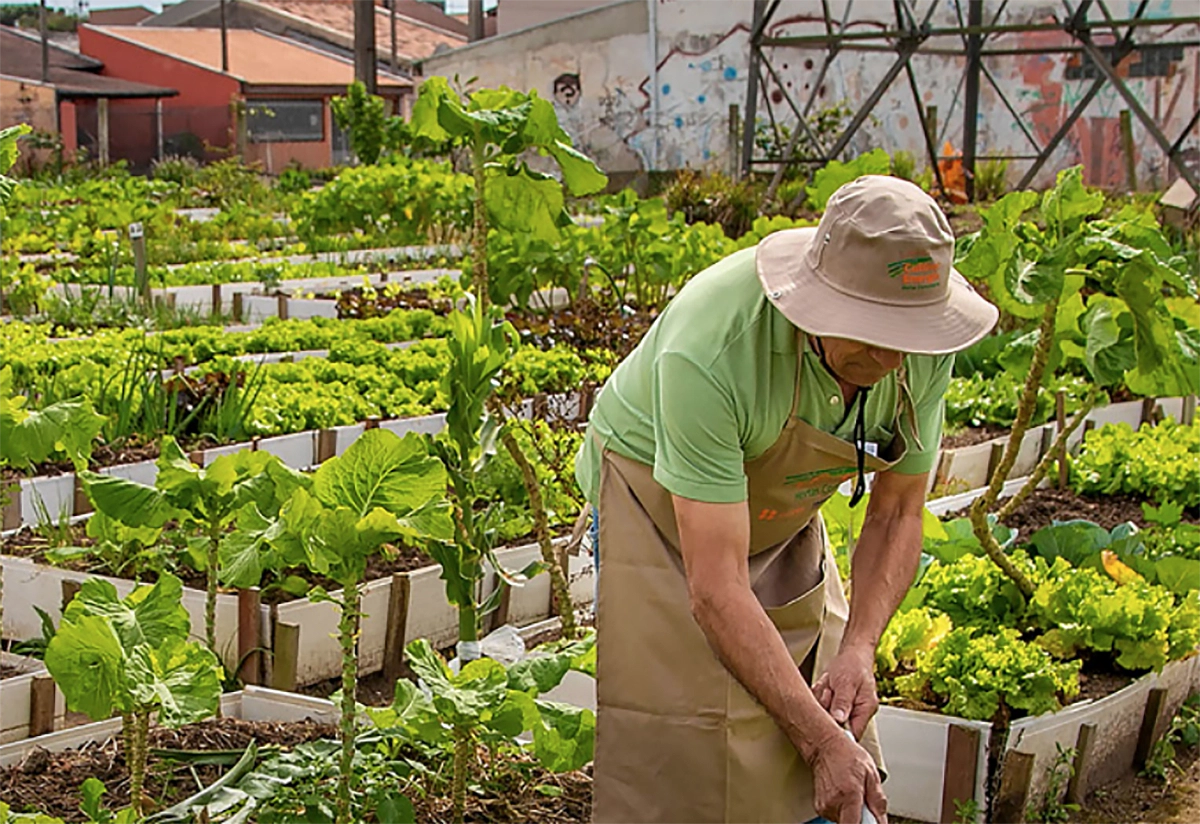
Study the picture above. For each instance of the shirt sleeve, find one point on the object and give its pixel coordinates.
(697, 449)
(929, 395)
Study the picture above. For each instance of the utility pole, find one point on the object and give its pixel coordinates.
(224, 40)
(474, 20)
(364, 43)
(45, 42)
(392, 15)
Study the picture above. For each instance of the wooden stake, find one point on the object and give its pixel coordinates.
(69, 590)
(1126, 125)
(1147, 411)
(237, 307)
(216, 299)
(397, 627)
(994, 459)
(41, 705)
(286, 655)
(11, 516)
(1077, 786)
(196, 456)
(1152, 723)
(81, 505)
(1189, 410)
(958, 777)
(281, 306)
(372, 422)
(326, 445)
(1013, 797)
(500, 617)
(249, 635)
(1060, 418)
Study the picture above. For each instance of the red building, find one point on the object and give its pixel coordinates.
(271, 103)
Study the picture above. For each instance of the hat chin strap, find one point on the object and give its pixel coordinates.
(860, 426)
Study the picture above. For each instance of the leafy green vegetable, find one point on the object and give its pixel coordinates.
(132, 656)
(835, 174)
(974, 674)
(908, 634)
(1159, 462)
(66, 428)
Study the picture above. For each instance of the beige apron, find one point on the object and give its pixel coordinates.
(678, 738)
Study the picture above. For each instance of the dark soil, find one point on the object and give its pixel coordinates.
(106, 455)
(1139, 798)
(972, 436)
(586, 325)
(532, 796)
(49, 782)
(28, 544)
(1096, 685)
(8, 672)
(373, 690)
(1047, 505)
(353, 303)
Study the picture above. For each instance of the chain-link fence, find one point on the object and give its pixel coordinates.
(202, 132)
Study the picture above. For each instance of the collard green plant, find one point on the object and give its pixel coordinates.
(499, 126)
(485, 700)
(205, 501)
(65, 429)
(132, 656)
(1039, 272)
(382, 489)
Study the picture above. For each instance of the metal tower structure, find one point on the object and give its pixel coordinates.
(910, 35)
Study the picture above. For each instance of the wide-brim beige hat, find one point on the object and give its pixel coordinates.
(877, 269)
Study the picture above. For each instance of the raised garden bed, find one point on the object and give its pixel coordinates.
(30, 704)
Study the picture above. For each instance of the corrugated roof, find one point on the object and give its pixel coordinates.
(414, 39)
(254, 57)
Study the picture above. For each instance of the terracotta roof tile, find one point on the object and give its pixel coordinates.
(414, 39)
(254, 57)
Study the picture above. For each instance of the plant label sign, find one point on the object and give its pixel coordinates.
(135, 231)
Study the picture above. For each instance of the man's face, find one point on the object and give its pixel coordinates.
(860, 363)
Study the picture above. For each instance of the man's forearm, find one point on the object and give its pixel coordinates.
(885, 561)
(750, 647)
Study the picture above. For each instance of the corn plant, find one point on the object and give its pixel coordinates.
(383, 489)
(204, 500)
(1097, 289)
(132, 656)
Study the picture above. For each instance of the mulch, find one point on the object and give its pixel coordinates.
(1045, 506)
(49, 782)
(974, 435)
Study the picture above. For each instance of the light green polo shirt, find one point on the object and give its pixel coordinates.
(711, 384)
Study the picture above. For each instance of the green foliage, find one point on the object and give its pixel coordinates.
(1052, 810)
(132, 655)
(908, 634)
(1139, 623)
(1158, 462)
(117, 549)
(973, 592)
(976, 400)
(1125, 331)
(65, 429)
(1184, 731)
(401, 201)
(364, 117)
(713, 197)
(974, 674)
(516, 197)
(8, 156)
(836, 174)
(991, 179)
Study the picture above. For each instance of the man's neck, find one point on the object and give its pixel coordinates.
(849, 390)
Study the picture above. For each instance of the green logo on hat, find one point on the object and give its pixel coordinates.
(915, 273)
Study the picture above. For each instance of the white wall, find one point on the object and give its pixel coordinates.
(703, 58)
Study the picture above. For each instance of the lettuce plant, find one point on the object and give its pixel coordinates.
(1123, 332)
(382, 489)
(205, 500)
(132, 656)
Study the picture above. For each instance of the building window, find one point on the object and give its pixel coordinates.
(285, 121)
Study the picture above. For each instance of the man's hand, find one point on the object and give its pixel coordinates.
(843, 777)
(847, 688)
